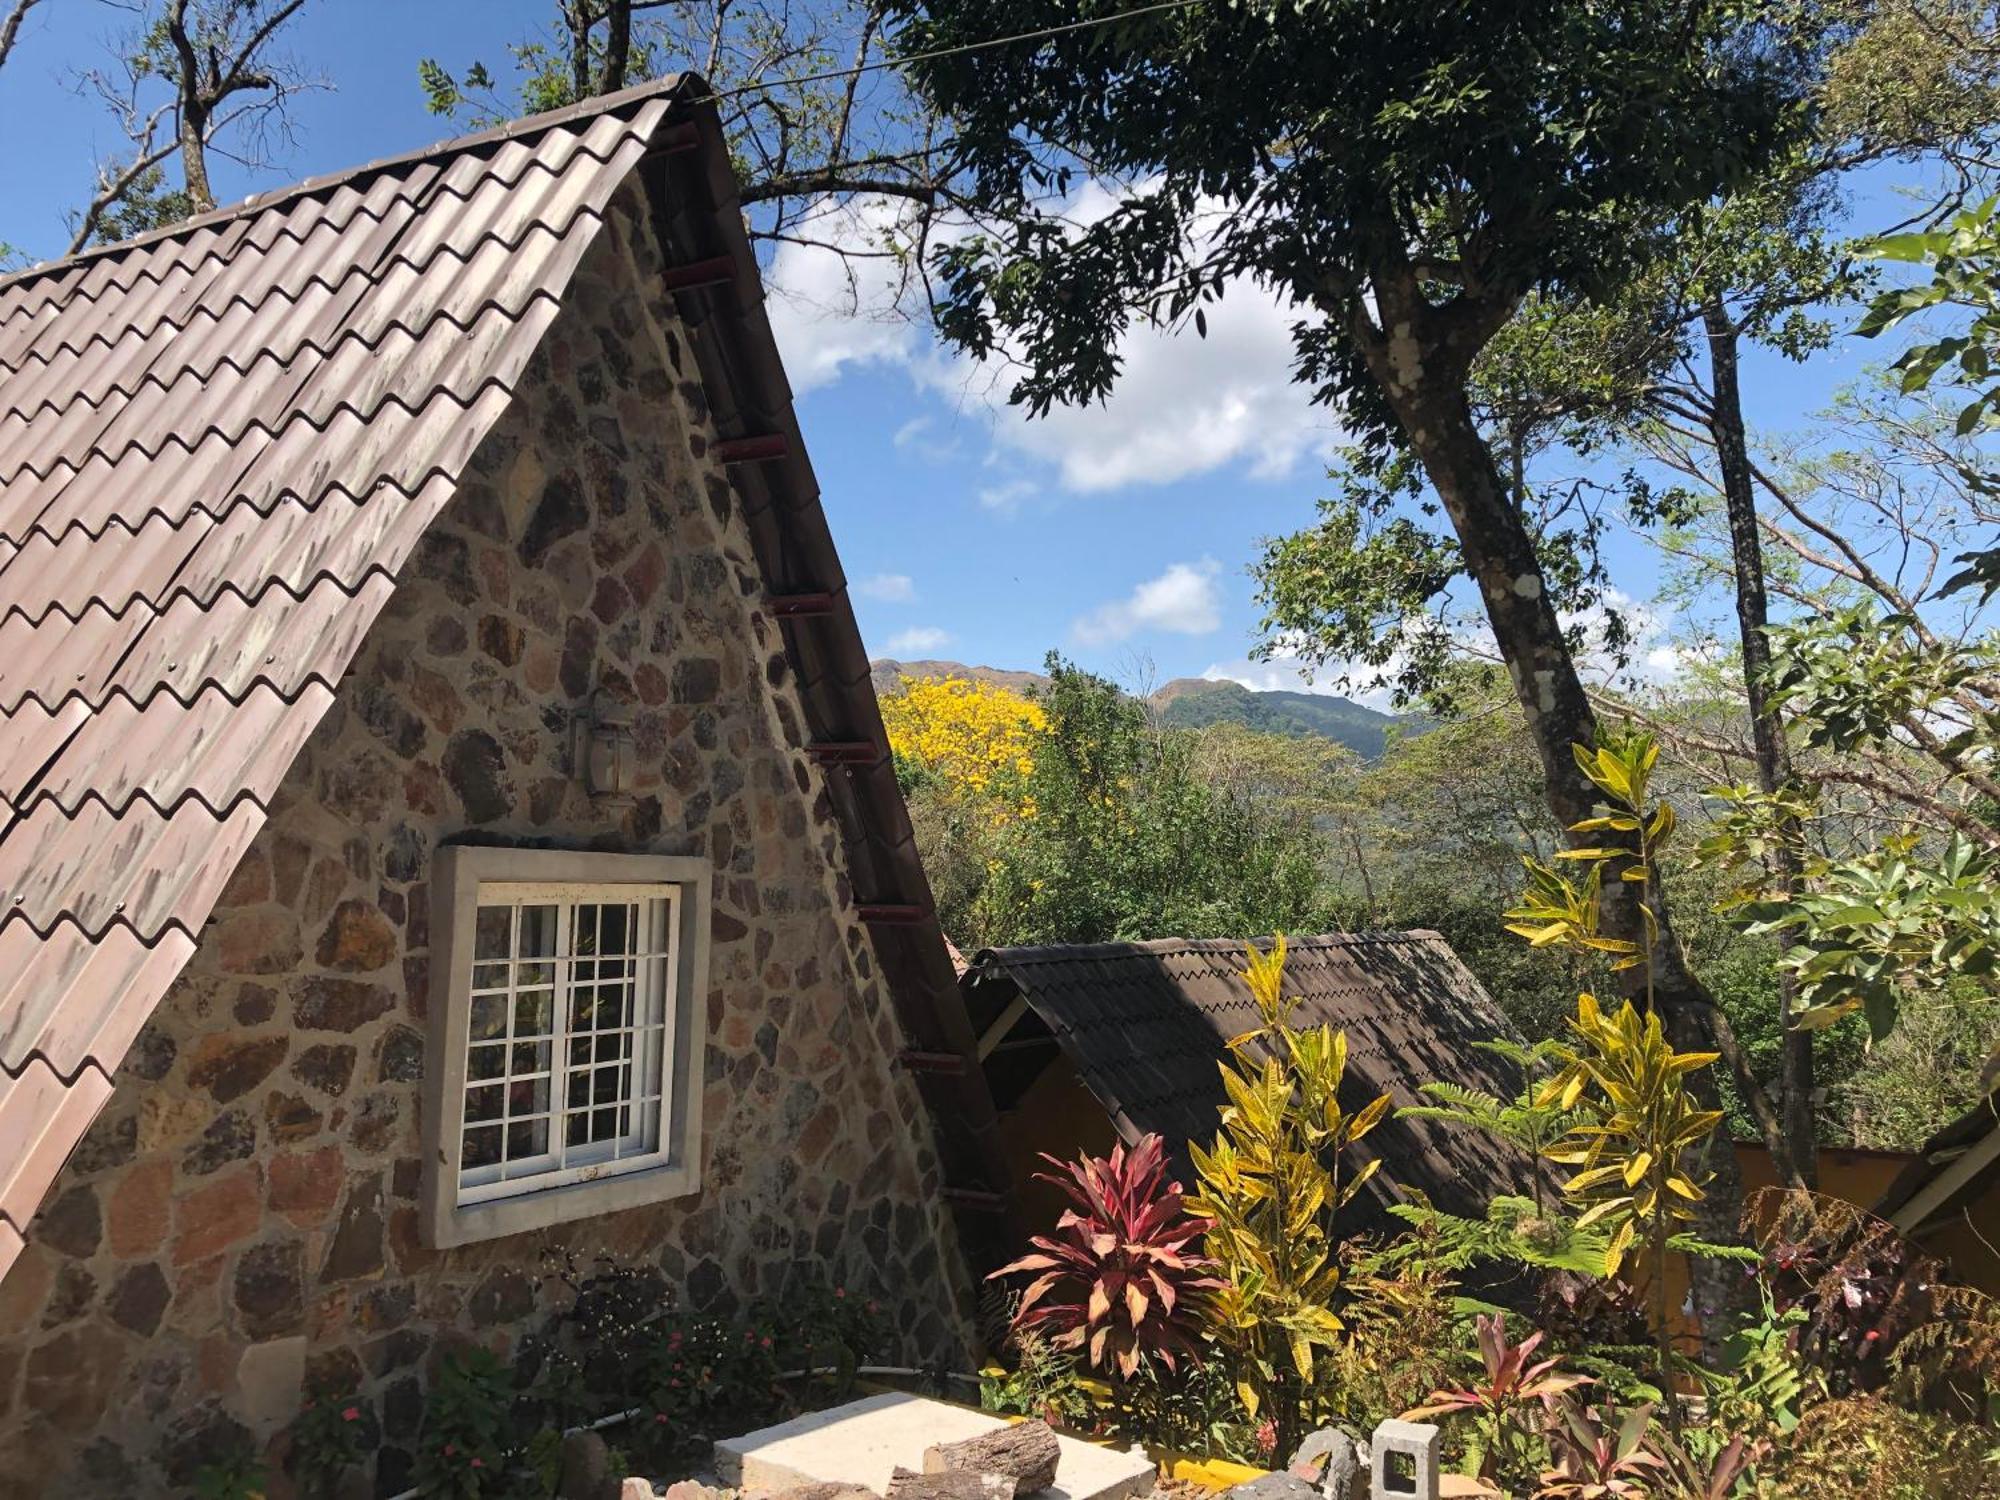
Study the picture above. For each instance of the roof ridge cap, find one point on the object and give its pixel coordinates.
(1113, 948)
(694, 84)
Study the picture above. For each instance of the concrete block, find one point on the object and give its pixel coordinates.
(864, 1442)
(1420, 1442)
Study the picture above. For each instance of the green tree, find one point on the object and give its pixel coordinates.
(1404, 175)
(1655, 366)
(1140, 832)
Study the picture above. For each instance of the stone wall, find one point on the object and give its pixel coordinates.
(242, 1219)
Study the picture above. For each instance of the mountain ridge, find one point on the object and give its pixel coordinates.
(1192, 703)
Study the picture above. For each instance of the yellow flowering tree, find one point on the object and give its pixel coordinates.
(975, 738)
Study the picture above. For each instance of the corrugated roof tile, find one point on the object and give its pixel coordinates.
(217, 448)
(61, 996)
(42, 1116)
(1145, 1023)
(140, 868)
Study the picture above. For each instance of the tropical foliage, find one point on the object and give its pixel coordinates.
(1117, 1281)
(1505, 1408)
(1273, 1183)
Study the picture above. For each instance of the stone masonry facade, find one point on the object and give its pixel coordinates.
(241, 1222)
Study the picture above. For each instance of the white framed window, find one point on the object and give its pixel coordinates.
(564, 1074)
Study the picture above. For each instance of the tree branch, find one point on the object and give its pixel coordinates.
(833, 180)
(10, 28)
(115, 188)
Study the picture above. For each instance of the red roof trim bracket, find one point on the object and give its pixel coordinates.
(698, 217)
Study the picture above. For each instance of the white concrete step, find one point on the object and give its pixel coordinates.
(865, 1441)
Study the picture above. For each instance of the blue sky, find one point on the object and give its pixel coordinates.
(1119, 535)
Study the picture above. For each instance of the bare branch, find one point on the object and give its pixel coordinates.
(208, 53)
(10, 28)
(816, 184)
(113, 186)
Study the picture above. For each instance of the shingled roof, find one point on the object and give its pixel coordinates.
(1960, 1162)
(218, 446)
(1145, 1025)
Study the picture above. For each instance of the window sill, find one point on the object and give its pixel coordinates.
(539, 1208)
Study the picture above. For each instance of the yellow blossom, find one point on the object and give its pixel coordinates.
(972, 735)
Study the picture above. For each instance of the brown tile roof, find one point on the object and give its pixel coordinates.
(1146, 1023)
(218, 445)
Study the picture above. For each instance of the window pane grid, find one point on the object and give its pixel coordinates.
(569, 1035)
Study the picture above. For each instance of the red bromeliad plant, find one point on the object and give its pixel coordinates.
(1116, 1280)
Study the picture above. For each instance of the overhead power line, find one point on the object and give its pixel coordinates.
(988, 45)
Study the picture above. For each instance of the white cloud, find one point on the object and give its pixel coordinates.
(830, 311)
(1663, 646)
(920, 640)
(1183, 405)
(888, 588)
(1183, 600)
(1006, 498)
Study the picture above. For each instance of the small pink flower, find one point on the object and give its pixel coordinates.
(479, 1463)
(767, 1341)
(660, 1417)
(352, 1414)
(449, 1449)
(840, 1294)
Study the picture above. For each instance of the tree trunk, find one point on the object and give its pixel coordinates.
(959, 1485)
(1799, 1163)
(617, 46)
(579, 17)
(1500, 555)
(194, 164)
(196, 100)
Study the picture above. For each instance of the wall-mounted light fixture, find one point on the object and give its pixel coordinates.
(605, 751)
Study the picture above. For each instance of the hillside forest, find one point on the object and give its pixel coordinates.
(1070, 810)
